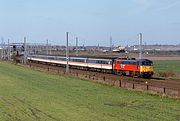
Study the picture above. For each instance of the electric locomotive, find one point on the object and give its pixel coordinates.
(140, 67)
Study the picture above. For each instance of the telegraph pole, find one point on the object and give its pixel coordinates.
(4, 52)
(25, 49)
(2, 48)
(50, 46)
(47, 47)
(98, 46)
(8, 51)
(67, 52)
(76, 46)
(140, 45)
(110, 43)
(84, 45)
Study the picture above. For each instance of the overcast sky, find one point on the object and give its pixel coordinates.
(93, 21)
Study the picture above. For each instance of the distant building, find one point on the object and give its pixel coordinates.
(119, 49)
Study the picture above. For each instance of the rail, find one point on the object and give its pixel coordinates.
(130, 83)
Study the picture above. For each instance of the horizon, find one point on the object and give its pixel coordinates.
(93, 22)
(81, 45)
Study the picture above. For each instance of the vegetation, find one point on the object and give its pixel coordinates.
(28, 95)
(167, 65)
(167, 68)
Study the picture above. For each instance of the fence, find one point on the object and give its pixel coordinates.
(118, 82)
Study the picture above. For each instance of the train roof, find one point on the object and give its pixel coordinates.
(142, 60)
(138, 60)
(92, 57)
(95, 57)
(134, 60)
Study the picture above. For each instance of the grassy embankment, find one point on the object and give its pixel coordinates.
(167, 68)
(28, 95)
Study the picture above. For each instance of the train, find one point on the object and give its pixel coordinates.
(121, 66)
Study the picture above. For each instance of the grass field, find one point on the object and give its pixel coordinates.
(167, 68)
(28, 95)
(167, 65)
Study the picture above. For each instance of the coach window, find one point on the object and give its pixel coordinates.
(100, 62)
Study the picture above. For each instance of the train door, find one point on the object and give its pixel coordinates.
(117, 64)
(137, 65)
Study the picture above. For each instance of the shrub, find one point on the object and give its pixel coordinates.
(166, 74)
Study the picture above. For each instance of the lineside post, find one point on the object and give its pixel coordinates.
(120, 83)
(164, 90)
(147, 87)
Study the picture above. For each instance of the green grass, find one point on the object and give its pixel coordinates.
(28, 95)
(167, 66)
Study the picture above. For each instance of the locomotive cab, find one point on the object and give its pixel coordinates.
(132, 67)
(146, 68)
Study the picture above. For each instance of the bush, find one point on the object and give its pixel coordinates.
(166, 74)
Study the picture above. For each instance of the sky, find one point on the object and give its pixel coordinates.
(92, 21)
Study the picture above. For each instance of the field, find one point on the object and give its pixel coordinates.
(167, 65)
(169, 68)
(28, 95)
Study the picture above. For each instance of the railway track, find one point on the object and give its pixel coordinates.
(153, 81)
(158, 83)
(161, 82)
